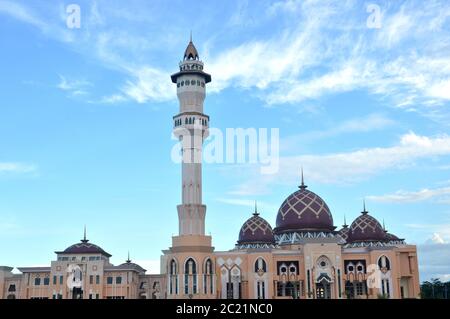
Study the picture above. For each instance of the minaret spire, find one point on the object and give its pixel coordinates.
(190, 38)
(302, 186)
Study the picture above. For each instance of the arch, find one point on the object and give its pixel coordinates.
(260, 265)
(384, 262)
(283, 268)
(323, 262)
(173, 266)
(190, 268)
(208, 268)
(208, 276)
(190, 272)
(173, 276)
(350, 268)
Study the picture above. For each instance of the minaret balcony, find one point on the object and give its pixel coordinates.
(191, 120)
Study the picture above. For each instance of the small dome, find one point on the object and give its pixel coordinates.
(191, 52)
(366, 228)
(256, 230)
(304, 210)
(84, 247)
(343, 232)
(392, 237)
(128, 265)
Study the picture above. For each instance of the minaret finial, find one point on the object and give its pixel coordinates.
(302, 186)
(84, 240)
(256, 210)
(128, 260)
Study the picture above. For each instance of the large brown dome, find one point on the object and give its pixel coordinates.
(304, 210)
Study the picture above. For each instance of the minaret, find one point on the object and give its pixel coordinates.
(191, 127)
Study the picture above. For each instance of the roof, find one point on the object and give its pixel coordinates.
(191, 52)
(84, 247)
(205, 75)
(34, 269)
(126, 266)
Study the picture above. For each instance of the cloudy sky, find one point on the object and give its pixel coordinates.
(361, 101)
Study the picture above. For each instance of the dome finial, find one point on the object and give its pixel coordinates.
(302, 186)
(345, 222)
(190, 39)
(384, 227)
(256, 210)
(84, 240)
(364, 212)
(128, 259)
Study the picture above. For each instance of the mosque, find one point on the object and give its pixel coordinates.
(304, 256)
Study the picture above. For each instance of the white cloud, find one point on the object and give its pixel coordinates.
(360, 164)
(73, 86)
(21, 13)
(308, 61)
(149, 85)
(409, 197)
(436, 238)
(434, 261)
(10, 167)
(113, 99)
(27, 15)
(348, 167)
(321, 48)
(371, 122)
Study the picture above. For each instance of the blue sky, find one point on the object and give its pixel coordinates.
(85, 119)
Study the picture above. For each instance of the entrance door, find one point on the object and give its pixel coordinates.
(323, 290)
(77, 293)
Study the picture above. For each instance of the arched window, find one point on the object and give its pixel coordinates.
(384, 263)
(260, 266)
(208, 277)
(360, 267)
(173, 278)
(190, 276)
(350, 268)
